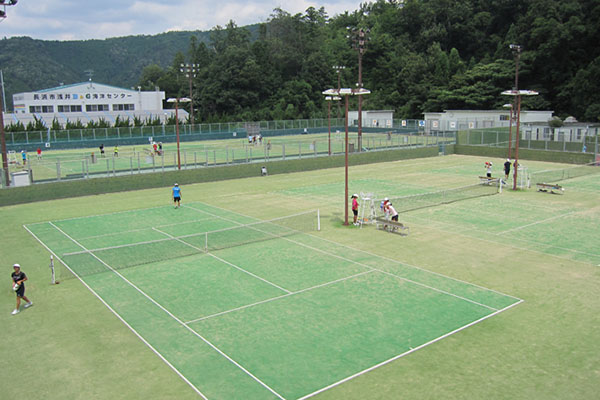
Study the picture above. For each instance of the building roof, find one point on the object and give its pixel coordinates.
(80, 84)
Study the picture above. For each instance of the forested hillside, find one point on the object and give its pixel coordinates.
(422, 55)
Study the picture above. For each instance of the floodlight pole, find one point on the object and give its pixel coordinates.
(190, 71)
(346, 163)
(328, 124)
(338, 69)
(3, 144)
(177, 132)
(329, 99)
(176, 100)
(517, 140)
(510, 129)
(346, 93)
(518, 94)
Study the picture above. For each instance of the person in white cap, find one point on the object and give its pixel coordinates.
(355, 208)
(176, 195)
(18, 278)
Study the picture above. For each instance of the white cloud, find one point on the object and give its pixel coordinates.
(80, 20)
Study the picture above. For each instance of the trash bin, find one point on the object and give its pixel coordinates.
(350, 147)
(21, 178)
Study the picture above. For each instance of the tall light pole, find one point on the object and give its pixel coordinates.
(338, 69)
(178, 100)
(516, 49)
(359, 43)
(3, 5)
(518, 94)
(346, 92)
(190, 72)
(3, 144)
(510, 105)
(329, 100)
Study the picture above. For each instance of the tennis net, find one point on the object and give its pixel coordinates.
(446, 196)
(92, 261)
(557, 175)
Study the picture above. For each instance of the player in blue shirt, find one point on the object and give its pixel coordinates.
(176, 195)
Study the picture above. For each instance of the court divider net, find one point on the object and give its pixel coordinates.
(557, 175)
(93, 261)
(446, 196)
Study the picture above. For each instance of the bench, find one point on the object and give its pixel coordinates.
(550, 188)
(392, 226)
(487, 180)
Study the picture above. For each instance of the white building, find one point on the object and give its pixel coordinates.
(88, 101)
(455, 120)
(372, 119)
(569, 132)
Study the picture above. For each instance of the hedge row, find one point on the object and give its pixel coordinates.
(85, 187)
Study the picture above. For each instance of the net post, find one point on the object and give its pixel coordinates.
(318, 220)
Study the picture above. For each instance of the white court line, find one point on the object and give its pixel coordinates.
(405, 353)
(223, 261)
(119, 317)
(173, 316)
(384, 272)
(112, 213)
(462, 232)
(395, 261)
(280, 297)
(144, 229)
(535, 223)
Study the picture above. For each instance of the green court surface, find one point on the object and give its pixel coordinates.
(281, 316)
(237, 295)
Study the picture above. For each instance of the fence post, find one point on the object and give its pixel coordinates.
(58, 169)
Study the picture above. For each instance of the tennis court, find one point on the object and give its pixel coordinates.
(246, 308)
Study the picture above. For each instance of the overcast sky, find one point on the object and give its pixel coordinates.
(99, 19)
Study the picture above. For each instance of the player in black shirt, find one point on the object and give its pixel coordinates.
(507, 168)
(19, 278)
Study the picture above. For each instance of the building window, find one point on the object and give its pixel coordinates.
(68, 108)
(41, 109)
(546, 133)
(96, 107)
(504, 118)
(123, 107)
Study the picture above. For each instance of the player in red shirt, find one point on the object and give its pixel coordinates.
(355, 208)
